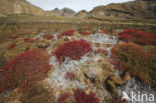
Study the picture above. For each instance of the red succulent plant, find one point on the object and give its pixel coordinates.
(68, 33)
(63, 98)
(81, 97)
(73, 49)
(70, 76)
(24, 70)
(29, 40)
(138, 36)
(15, 37)
(59, 36)
(12, 46)
(106, 32)
(48, 36)
(85, 33)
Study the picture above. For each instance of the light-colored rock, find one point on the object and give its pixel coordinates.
(81, 77)
(107, 99)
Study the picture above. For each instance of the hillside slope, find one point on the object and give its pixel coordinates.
(65, 12)
(137, 10)
(8, 7)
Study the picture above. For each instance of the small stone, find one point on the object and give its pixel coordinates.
(111, 68)
(81, 77)
(89, 90)
(66, 39)
(90, 55)
(105, 53)
(88, 81)
(117, 80)
(127, 77)
(107, 98)
(112, 86)
(97, 44)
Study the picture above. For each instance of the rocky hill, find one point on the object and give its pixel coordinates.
(65, 12)
(133, 10)
(82, 14)
(8, 7)
(138, 10)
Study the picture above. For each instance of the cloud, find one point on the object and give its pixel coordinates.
(76, 5)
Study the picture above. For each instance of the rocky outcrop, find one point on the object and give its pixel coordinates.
(8, 7)
(81, 14)
(138, 10)
(65, 12)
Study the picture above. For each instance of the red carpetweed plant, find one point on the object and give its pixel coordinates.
(63, 98)
(134, 59)
(70, 76)
(138, 36)
(73, 49)
(12, 46)
(14, 37)
(29, 40)
(85, 33)
(48, 36)
(59, 36)
(106, 32)
(24, 70)
(68, 33)
(81, 97)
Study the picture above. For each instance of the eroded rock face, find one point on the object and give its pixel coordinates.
(65, 12)
(19, 7)
(82, 14)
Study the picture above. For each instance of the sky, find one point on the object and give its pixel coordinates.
(76, 5)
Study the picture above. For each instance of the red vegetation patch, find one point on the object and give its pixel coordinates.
(14, 37)
(29, 40)
(68, 33)
(73, 49)
(24, 70)
(99, 50)
(85, 33)
(63, 98)
(70, 76)
(138, 36)
(82, 97)
(134, 59)
(12, 46)
(59, 36)
(48, 36)
(106, 32)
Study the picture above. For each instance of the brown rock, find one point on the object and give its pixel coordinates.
(107, 99)
(112, 86)
(117, 80)
(127, 77)
(97, 44)
(66, 39)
